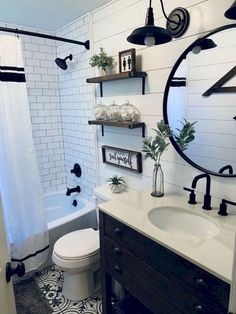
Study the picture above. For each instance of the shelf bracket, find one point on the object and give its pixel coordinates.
(101, 90)
(143, 131)
(143, 85)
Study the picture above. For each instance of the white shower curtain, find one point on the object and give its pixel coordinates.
(20, 185)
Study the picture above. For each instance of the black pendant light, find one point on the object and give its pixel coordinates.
(231, 12)
(150, 35)
(204, 44)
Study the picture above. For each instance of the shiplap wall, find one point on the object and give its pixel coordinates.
(215, 142)
(111, 25)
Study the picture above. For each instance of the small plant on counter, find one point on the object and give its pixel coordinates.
(186, 134)
(117, 184)
(102, 60)
(153, 148)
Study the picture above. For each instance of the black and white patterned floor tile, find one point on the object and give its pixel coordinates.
(50, 282)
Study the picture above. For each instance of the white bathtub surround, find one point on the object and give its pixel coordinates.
(60, 209)
(19, 181)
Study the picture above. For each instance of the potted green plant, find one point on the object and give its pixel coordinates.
(154, 147)
(102, 61)
(117, 184)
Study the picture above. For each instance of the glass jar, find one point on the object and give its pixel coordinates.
(129, 112)
(114, 112)
(100, 112)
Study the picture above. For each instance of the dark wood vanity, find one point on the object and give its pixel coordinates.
(161, 280)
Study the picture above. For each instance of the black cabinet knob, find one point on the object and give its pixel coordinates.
(199, 309)
(117, 250)
(117, 269)
(117, 231)
(201, 284)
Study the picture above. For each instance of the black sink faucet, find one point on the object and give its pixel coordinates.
(207, 196)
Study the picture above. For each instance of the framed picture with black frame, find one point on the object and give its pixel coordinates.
(127, 60)
(122, 158)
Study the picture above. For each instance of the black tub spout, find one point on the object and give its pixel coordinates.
(73, 190)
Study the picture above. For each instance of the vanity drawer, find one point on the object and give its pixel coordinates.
(194, 279)
(152, 288)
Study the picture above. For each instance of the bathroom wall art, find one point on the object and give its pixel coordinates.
(127, 60)
(123, 158)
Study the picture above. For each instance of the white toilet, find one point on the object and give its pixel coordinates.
(77, 253)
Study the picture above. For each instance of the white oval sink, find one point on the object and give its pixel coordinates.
(177, 220)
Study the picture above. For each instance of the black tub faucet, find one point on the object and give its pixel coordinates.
(207, 196)
(73, 190)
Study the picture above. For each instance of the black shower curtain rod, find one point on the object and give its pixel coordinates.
(18, 31)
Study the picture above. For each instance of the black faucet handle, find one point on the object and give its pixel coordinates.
(223, 207)
(76, 170)
(192, 196)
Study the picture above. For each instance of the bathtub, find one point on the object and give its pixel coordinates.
(62, 217)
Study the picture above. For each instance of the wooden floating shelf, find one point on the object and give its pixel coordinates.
(120, 124)
(118, 76)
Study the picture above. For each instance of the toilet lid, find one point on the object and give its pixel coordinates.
(78, 244)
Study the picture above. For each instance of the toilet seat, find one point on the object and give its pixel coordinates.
(77, 249)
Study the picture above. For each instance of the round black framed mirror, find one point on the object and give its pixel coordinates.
(200, 103)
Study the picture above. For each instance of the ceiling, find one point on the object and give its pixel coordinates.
(45, 14)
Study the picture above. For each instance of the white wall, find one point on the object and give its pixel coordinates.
(111, 25)
(44, 102)
(55, 124)
(77, 107)
(215, 144)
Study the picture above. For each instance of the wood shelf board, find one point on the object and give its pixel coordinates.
(117, 76)
(121, 124)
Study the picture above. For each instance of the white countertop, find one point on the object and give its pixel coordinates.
(215, 255)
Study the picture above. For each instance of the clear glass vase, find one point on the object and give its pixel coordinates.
(157, 181)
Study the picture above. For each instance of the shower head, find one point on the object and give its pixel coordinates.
(62, 62)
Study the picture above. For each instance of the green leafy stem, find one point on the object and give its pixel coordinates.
(154, 147)
(185, 135)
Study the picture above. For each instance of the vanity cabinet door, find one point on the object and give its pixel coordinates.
(198, 282)
(154, 290)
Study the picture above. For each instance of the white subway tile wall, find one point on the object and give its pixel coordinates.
(77, 107)
(43, 89)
